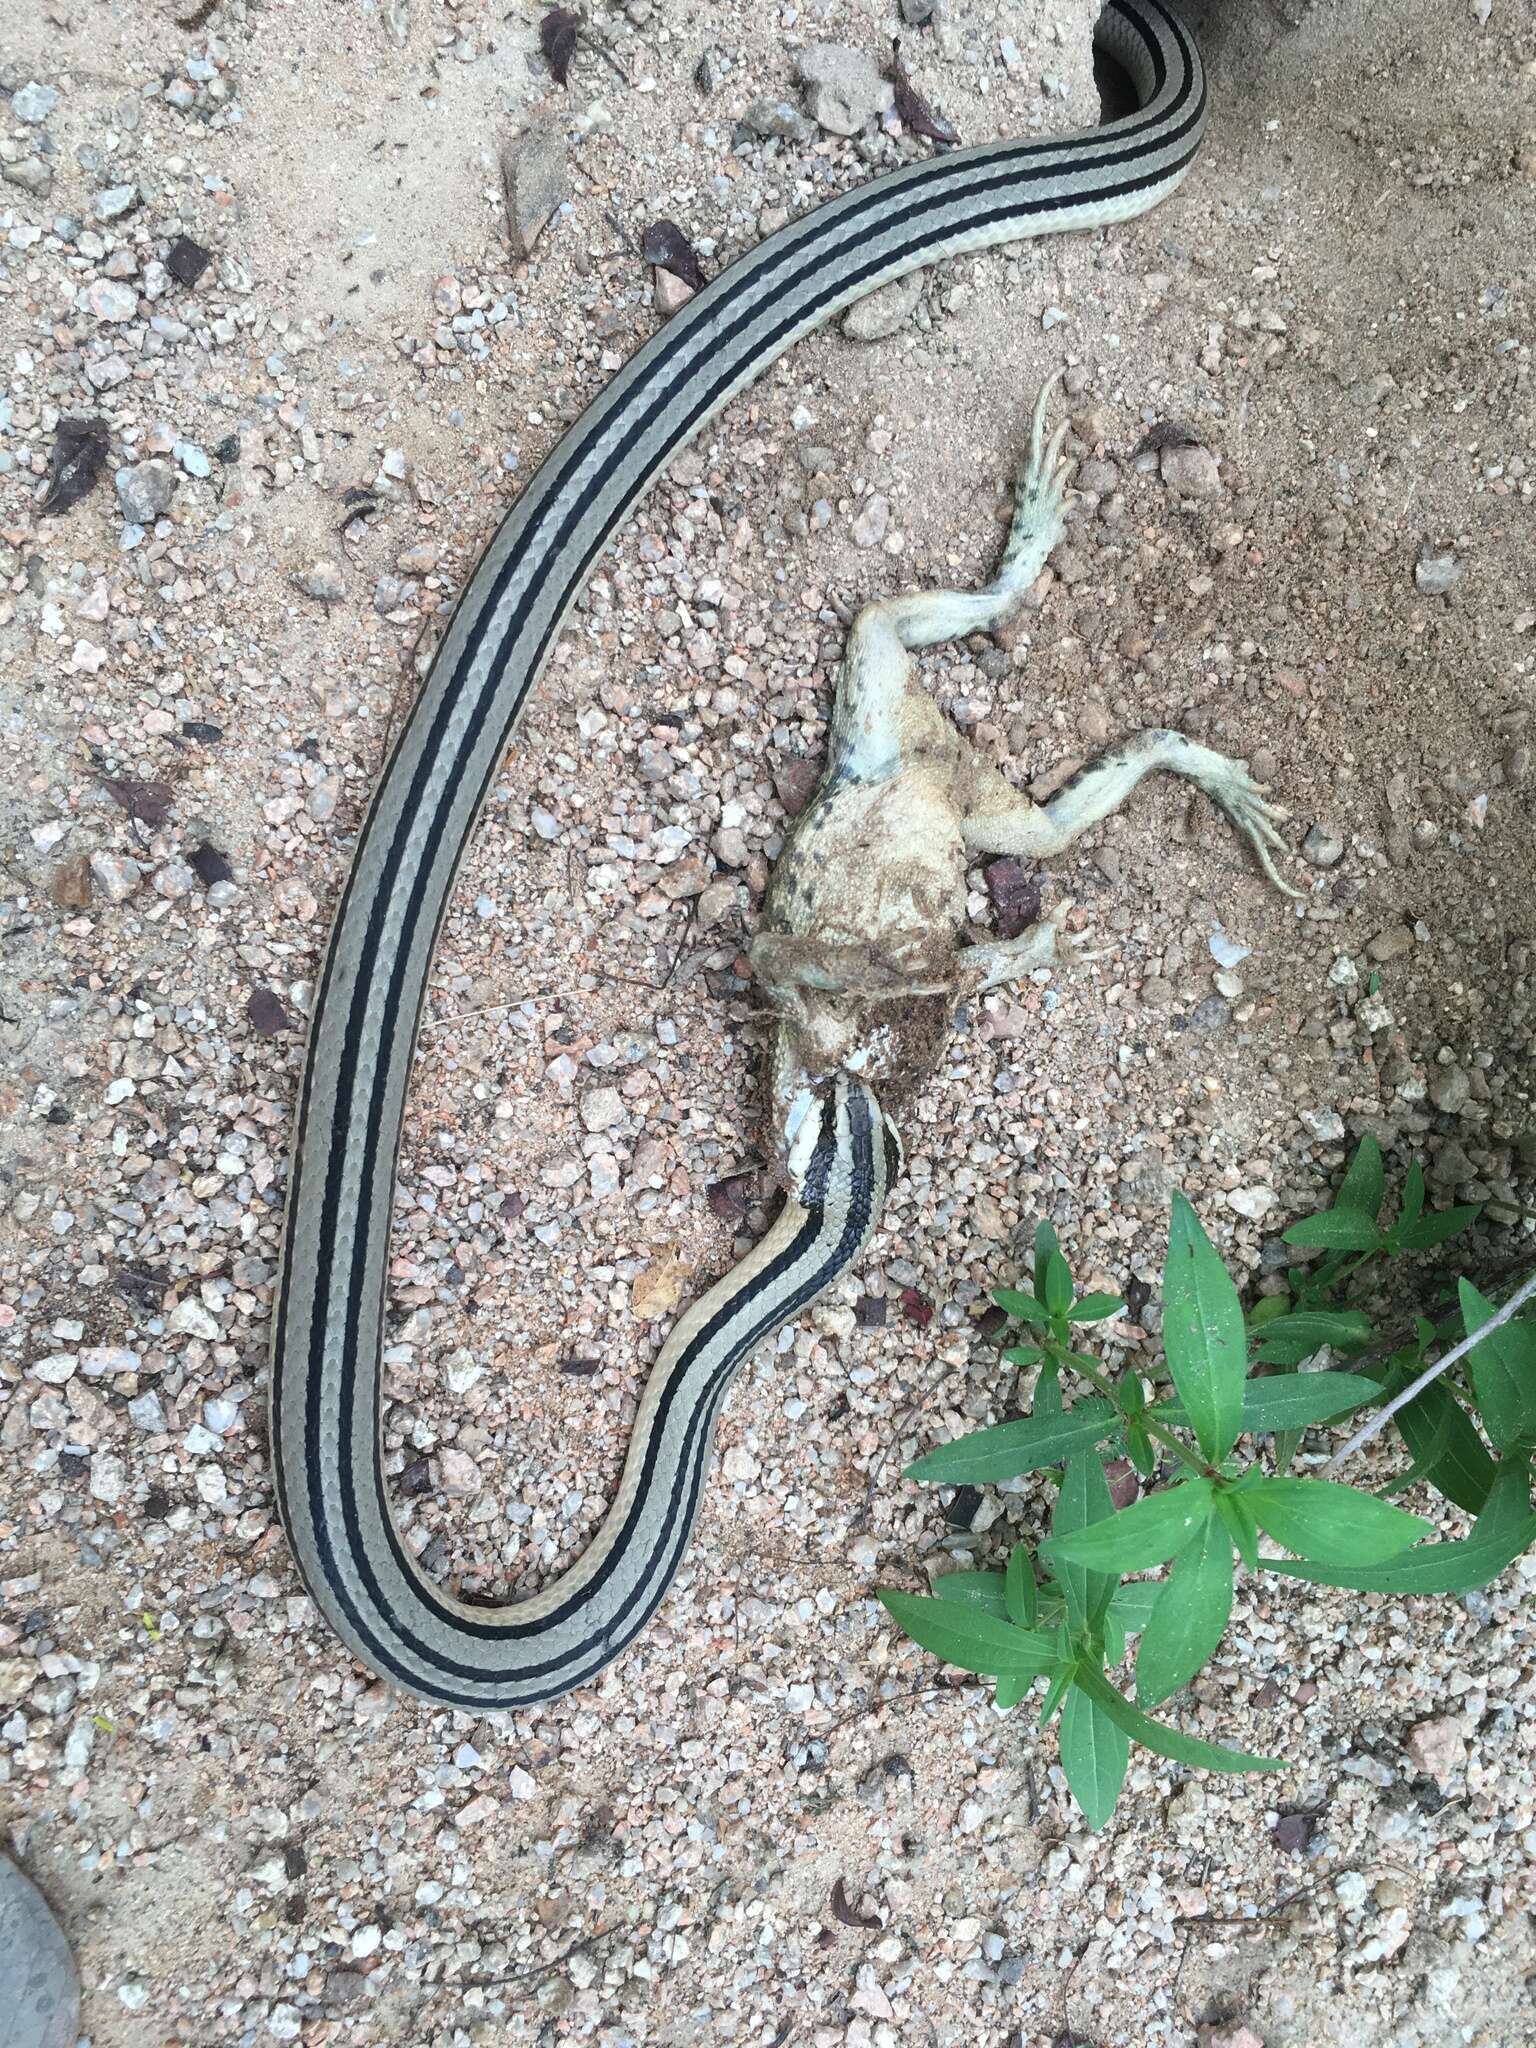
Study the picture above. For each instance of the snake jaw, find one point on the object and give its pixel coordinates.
(798, 1141)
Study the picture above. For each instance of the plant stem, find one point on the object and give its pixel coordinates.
(1157, 1430)
(1377, 1422)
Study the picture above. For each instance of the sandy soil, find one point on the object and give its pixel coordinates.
(770, 1823)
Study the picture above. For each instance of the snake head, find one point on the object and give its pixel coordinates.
(831, 1137)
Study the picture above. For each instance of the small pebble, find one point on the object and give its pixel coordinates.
(1191, 471)
(145, 490)
(1390, 944)
(1438, 1748)
(111, 302)
(886, 310)
(115, 875)
(1322, 847)
(1437, 575)
(116, 201)
(871, 521)
(770, 117)
(1450, 1090)
(323, 580)
(33, 103)
(844, 90)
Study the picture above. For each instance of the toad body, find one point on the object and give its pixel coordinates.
(861, 951)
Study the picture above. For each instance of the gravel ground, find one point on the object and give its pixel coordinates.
(268, 249)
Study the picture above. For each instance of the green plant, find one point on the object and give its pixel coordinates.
(1061, 1611)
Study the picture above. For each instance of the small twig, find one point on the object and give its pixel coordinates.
(1414, 1388)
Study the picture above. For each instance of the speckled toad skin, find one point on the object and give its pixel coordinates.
(861, 950)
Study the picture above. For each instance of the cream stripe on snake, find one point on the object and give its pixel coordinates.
(326, 1374)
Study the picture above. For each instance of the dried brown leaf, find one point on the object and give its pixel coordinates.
(149, 802)
(75, 466)
(846, 1913)
(70, 884)
(1166, 434)
(728, 1198)
(209, 865)
(557, 39)
(917, 117)
(1015, 893)
(267, 1014)
(917, 1308)
(665, 245)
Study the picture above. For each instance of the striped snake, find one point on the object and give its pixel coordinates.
(327, 1359)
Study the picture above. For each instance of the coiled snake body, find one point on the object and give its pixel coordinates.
(839, 1156)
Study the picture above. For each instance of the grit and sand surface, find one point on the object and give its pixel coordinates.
(769, 1823)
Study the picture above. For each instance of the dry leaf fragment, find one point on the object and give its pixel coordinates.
(148, 802)
(1166, 434)
(665, 245)
(557, 39)
(658, 1290)
(728, 1198)
(209, 865)
(917, 117)
(70, 884)
(917, 1308)
(79, 451)
(266, 1012)
(845, 1912)
(1015, 893)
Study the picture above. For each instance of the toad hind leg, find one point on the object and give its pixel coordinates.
(998, 820)
(875, 675)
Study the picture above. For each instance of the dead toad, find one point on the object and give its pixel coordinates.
(861, 950)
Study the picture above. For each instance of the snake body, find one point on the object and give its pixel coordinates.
(328, 1326)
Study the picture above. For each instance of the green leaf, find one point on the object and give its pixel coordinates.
(1242, 1525)
(1203, 1336)
(1024, 1308)
(970, 1639)
(1095, 1754)
(1055, 1692)
(1332, 1524)
(1095, 1308)
(1058, 1284)
(1010, 1448)
(1295, 1400)
(1084, 1501)
(1019, 1589)
(1183, 1749)
(1439, 1432)
(1509, 1498)
(1503, 1369)
(1045, 1244)
(1290, 1339)
(1047, 1403)
(1364, 1184)
(1190, 1618)
(1024, 1354)
(1140, 1450)
(984, 1590)
(1133, 1603)
(1413, 1201)
(1140, 1536)
(1289, 1401)
(1435, 1229)
(1011, 1690)
(1338, 1230)
(1285, 1446)
(1267, 1309)
(1476, 1560)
